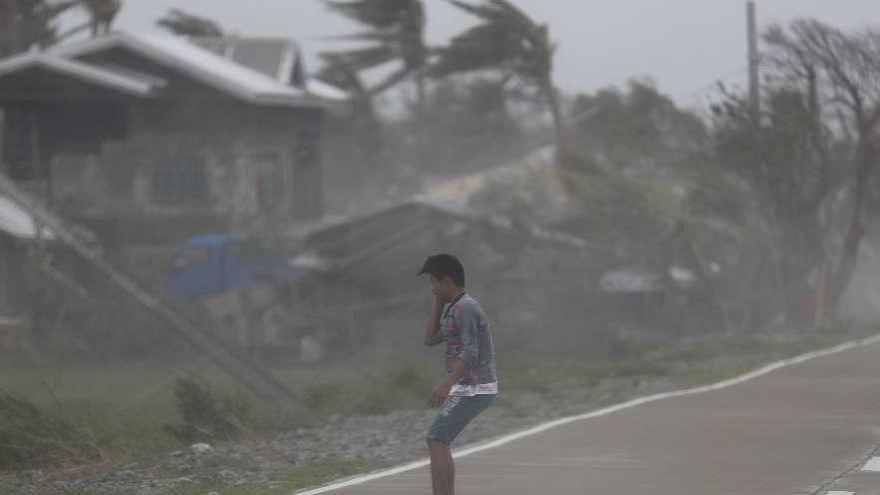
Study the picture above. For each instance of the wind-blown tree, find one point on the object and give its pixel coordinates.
(365, 121)
(841, 74)
(639, 125)
(396, 33)
(101, 14)
(27, 23)
(183, 23)
(507, 41)
(470, 128)
(790, 180)
(816, 143)
(337, 72)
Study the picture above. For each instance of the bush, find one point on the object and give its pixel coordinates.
(322, 397)
(29, 438)
(206, 414)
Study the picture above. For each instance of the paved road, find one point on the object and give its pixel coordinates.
(790, 431)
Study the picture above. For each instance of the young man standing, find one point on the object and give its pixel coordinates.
(471, 384)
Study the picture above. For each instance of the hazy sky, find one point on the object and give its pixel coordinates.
(684, 45)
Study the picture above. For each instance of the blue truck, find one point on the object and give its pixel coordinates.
(215, 264)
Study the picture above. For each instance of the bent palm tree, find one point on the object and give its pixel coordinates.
(510, 41)
(183, 23)
(397, 29)
(101, 14)
(24, 24)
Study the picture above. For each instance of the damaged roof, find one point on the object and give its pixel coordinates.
(334, 241)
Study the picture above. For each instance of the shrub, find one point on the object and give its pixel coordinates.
(206, 414)
(30, 438)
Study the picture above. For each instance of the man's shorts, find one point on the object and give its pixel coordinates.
(455, 414)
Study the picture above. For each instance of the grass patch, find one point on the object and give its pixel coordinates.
(30, 437)
(208, 415)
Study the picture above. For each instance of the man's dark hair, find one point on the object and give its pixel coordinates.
(444, 264)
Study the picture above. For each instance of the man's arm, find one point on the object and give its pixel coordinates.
(440, 392)
(432, 323)
(459, 370)
(468, 325)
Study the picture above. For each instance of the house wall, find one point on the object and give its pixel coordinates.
(193, 159)
(243, 166)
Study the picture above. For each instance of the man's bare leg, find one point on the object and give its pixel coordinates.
(435, 468)
(442, 471)
(451, 473)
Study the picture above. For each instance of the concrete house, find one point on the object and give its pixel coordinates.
(150, 138)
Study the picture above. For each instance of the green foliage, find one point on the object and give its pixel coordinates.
(321, 397)
(183, 23)
(462, 126)
(805, 158)
(629, 214)
(782, 162)
(24, 23)
(380, 14)
(30, 438)
(397, 29)
(511, 43)
(206, 414)
(507, 39)
(637, 126)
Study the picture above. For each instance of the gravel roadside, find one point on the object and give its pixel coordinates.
(386, 439)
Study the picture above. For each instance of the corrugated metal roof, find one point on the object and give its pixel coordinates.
(274, 57)
(266, 55)
(449, 208)
(200, 64)
(128, 83)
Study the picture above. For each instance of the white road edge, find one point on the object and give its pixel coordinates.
(491, 444)
(873, 464)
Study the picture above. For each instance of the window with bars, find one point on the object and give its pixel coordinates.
(181, 179)
(270, 180)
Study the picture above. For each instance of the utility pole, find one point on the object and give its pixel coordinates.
(754, 64)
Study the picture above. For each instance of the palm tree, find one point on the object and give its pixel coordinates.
(185, 24)
(25, 23)
(509, 41)
(397, 29)
(101, 14)
(364, 118)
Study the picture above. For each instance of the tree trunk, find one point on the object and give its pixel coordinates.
(565, 155)
(855, 231)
